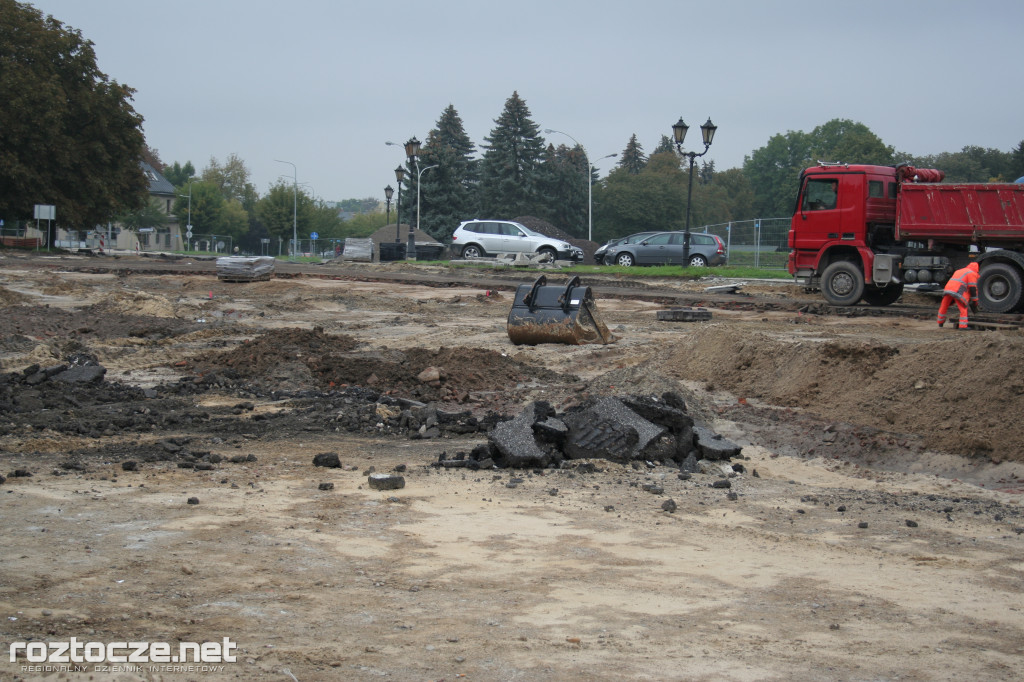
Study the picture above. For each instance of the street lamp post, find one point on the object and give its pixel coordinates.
(389, 192)
(295, 206)
(679, 132)
(412, 150)
(188, 227)
(400, 176)
(590, 181)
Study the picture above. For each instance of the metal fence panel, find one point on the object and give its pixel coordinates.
(758, 243)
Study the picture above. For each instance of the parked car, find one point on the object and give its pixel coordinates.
(603, 249)
(475, 238)
(666, 248)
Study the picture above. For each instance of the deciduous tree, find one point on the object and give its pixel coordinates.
(69, 135)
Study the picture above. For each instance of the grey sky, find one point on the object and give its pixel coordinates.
(324, 83)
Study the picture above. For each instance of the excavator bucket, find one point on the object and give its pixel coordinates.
(555, 314)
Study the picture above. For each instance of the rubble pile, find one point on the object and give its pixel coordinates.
(619, 429)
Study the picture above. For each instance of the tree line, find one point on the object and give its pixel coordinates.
(70, 136)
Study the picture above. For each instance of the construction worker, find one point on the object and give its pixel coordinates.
(962, 288)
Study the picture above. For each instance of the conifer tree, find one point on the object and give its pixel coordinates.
(509, 169)
(632, 160)
(447, 195)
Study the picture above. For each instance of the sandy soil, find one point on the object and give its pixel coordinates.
(872, 528)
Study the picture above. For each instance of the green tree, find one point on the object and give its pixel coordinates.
(562, 185)
(232, 178)
(149, 215)
(365, 224)
(69, 135)
(1017, 161)
(508, 178)
(652, 199)
(971, 164)
(324, 220)
(774, 170)
(179, 175)
(283, 210)
(448, 191)
(665, 144)
(206, 206)
(364, 205)
(632, 160)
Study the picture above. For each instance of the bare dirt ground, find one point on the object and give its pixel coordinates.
(872, 531)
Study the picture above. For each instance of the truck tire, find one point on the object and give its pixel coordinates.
(842, 283)
(883, 295)
(999, 288)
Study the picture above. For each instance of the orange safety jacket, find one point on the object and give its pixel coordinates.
(963, 285)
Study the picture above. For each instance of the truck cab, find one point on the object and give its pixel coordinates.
(844, 215)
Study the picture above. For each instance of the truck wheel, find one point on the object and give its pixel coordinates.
(999, 288)
(842, 283)
(883, 295)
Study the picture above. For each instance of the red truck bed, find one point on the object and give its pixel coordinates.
(961, 213)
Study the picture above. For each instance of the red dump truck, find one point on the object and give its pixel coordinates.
(860, 232)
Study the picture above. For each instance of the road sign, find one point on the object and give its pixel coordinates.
(314, 235)
(45, 212)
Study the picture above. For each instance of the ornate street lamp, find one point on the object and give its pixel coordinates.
(389, 192)
(400, 176)
(679, 133)
(412, 150)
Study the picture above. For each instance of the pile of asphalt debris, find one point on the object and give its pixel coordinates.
(74, 397)
(619, 429)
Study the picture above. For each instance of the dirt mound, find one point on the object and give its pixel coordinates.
(544, 227)
(299, 358)
(10, 297)
(923, 388)
(93, 322)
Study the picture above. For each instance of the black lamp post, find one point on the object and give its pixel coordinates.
(389, 192)
(400, 176)
(679, 132)
(412, 150)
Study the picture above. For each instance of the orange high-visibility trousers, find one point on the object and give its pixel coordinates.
(944, 306)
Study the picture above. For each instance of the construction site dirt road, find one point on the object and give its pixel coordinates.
(158, 429)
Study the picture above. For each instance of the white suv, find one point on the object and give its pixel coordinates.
(475, 238)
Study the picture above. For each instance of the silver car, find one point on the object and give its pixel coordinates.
(476, 238)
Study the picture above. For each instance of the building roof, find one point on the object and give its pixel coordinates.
(158, 184)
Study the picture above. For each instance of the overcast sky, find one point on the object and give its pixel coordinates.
(325, 83)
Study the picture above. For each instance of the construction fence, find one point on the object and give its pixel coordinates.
(758, 243)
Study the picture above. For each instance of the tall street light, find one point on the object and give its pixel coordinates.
(295, 206)
(188, 227)
(412, 150)
(679, 132)
(590, 181)
(389, 192)
(400, 176)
